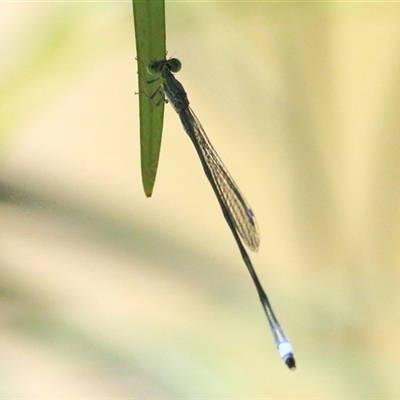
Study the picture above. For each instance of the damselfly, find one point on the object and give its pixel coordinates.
(235, 208)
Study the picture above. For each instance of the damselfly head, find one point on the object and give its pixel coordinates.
(157, 66)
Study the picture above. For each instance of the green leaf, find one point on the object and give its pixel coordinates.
(149, 19)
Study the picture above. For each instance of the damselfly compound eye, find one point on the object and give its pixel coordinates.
(174, 65)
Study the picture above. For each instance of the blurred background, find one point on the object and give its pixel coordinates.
(105, 293)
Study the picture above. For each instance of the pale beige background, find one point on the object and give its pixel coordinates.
(107, 294)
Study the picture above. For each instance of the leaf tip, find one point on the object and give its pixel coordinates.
(148, 192)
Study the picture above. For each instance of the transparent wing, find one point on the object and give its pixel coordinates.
(238, 207)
